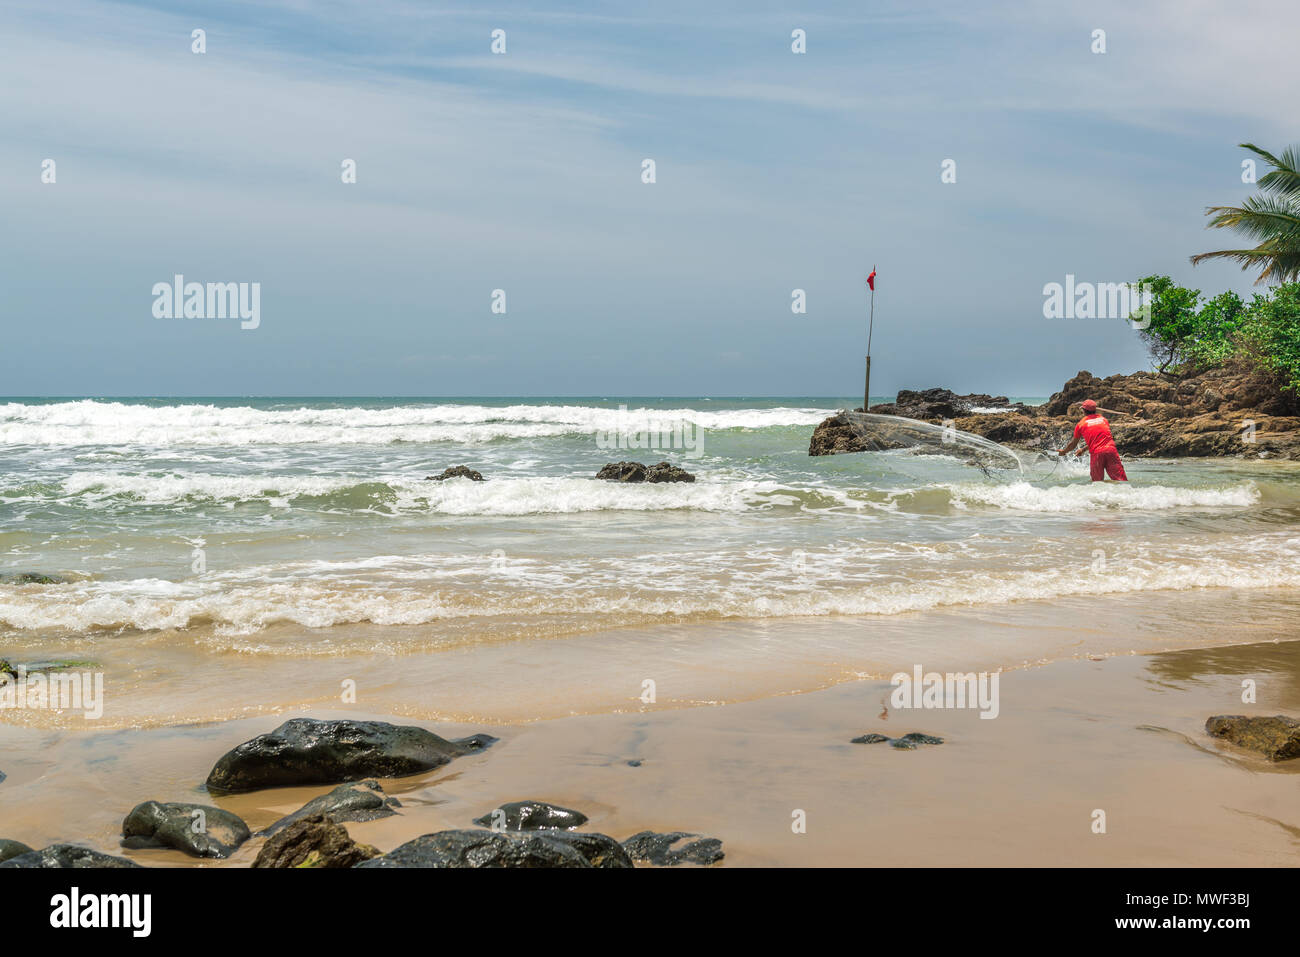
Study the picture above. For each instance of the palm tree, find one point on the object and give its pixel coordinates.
(1272, 217)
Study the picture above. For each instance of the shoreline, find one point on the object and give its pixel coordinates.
(1124, 734)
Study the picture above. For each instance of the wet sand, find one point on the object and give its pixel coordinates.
(1122, 734)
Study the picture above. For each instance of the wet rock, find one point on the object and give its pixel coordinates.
(478, 848)
(632, 472)
(600, 850)
(663, 472)
(197, 829)
(305, 751)
(6, 668)
(1276, 737)
(531, 816)
(907, 742)
(840, 434)
(67, 855)
(10, 849)
(622, 472)
(666, 850)
(357, 801)
(313, 841)
(32, 578)
(456, 471)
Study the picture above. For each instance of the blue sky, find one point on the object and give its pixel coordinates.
(522, 172)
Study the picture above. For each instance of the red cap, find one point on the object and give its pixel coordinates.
(1089, 405)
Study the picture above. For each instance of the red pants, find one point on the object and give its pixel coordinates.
(1109, 463)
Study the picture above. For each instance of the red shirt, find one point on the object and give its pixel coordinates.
(1095, 430)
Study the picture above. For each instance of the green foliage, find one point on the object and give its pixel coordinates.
(1271, 218)
(1188, 333)
(1270, 334)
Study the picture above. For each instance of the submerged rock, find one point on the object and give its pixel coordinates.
(633, 472)
(67, 855)
(477, 848)
(32, 578)
(313, 841)
(197, 829)
(10, 849)
(907, 742)
(305, 751)
(456, 471)
(357, 801)
(531, 816)
(663, 849)
(1276, 737)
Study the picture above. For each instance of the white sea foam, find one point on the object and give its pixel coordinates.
(394, 590)
(1093, 496)
(92, 422)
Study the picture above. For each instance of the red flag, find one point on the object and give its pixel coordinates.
(871, 280)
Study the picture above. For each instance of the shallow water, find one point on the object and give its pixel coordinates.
(217, 543)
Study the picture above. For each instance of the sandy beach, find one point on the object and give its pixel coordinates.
(1113, 721)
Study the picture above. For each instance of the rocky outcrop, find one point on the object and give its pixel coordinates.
(313, 841)
(531, 816)
(67, 855)
(357, 801)
(937, 404)
(456, 471)
(197, 829)
(632, 472)
(305, 751)
(667, 850)
(907, 742)
(1222, 412)
(1276, 737)
(10, 849)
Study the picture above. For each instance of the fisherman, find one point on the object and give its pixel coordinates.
(1095, 430)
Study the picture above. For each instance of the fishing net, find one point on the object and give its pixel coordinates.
(885, 433)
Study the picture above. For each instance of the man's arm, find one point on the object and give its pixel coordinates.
(1069, 448)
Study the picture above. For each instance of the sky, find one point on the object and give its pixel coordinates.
(522, 171)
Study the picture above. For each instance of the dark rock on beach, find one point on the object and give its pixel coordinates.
(1276, 737)
(456, 471)
(10, 849)
(633, 472)
(600, 850)
(531, 816)
(67, 855)
(305, 751)
(667, 850)
(313, 841)
(477, 848)
(907, 742)
(211, 832)
(356, 801)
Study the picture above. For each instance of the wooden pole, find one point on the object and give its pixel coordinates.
(871, 322)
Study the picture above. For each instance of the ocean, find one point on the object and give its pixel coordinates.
(227, 556)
